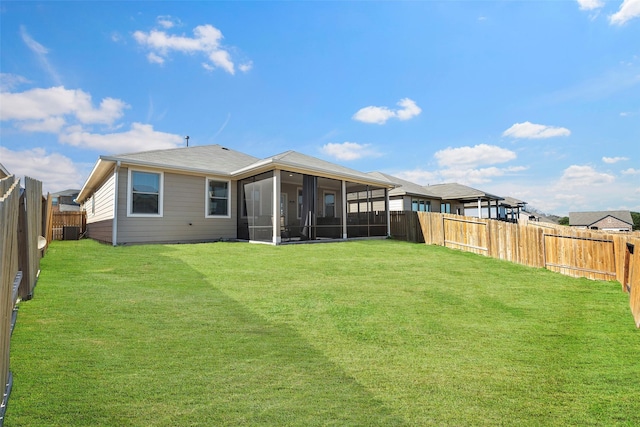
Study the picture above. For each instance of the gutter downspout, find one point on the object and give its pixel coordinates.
(114, 228)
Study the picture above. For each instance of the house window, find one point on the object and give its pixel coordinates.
(445, 208)
(218, 198)
(299, 203)
(330, 204)
(420, 206)
(145, 193)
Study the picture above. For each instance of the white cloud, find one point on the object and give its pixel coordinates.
(477, 155)
(155, 58)
(167, 21)
(40, 108)
(629, 9)
(41, 53)
(380, 115)
(528, 130)
(631, 171)
(206, 40)
(465, 176)
(57, 172)
(612, 160)
(8, 81)
(349, 150)
(246, 67)
(140, 137)
(590, 4)
(576, 176)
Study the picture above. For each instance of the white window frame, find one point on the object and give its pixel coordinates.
(206, 197)
(130, 195)
(335, 203)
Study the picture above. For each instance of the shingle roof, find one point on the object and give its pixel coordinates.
(219, 160)
(205, 158)
(454, 191)
(589, 218)
(404, 187)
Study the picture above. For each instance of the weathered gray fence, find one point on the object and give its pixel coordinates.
(20, 228)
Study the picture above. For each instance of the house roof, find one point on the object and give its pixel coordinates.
(69, 192)
(403, 187)
(298, 162)
(589, 218)
(511, 202)
(454, 191)
(221, 161)
(203, 158)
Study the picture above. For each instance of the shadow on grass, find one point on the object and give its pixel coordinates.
(134, 336)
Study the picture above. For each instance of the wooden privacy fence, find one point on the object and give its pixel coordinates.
(67, 225)
(573, 252)
(10, 278)
(20, 228)
(406, 226)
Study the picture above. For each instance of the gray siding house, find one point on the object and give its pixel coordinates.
(408, 196)
(209, 193)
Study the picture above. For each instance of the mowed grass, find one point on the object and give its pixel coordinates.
(346, 334)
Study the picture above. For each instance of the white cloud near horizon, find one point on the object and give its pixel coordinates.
(629, 9)
(464, 176)
(481, 154)
(528, 130)
(583, 176)
(206, 40)
(380, 115)
(141, 137)
(348, 150)
(40, 109)
(71, 114)
(630, 171)
(612, 160)
(56, 171)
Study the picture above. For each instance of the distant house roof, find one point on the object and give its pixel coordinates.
(511, 202)
(403, 187)
(454, 191)
(70, 192)
(585, 219)
(221, 161)
(537, 217)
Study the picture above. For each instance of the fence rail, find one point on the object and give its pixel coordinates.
(20, 228)
(9, 278)
(579, 253)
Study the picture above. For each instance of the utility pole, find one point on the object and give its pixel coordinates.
(187, 138)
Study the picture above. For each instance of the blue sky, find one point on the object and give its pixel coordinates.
(538, 100)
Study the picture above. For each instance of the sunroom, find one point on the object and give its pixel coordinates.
(298, 202)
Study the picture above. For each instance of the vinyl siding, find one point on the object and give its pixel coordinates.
(101, 231)
(398, 204)
(183, 218)
(103, 201)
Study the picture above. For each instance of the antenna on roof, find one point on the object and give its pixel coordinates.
(187, 138)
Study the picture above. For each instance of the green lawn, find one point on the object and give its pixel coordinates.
(345, 334)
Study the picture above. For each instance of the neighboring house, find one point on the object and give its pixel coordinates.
(462, 200)
(604, 220)
(532, 216)
(209, 193)
(65, 201)
(408, 196)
